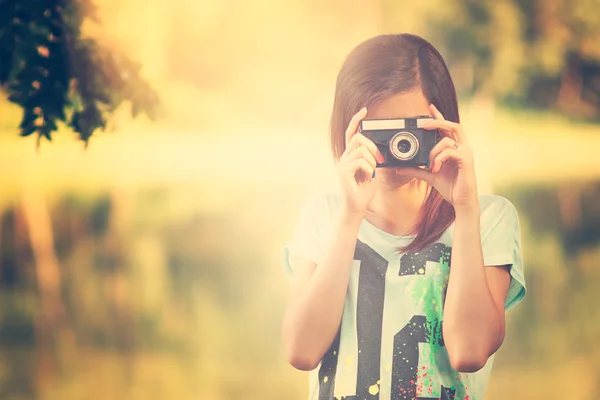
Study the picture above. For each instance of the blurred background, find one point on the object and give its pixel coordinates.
(147, 264)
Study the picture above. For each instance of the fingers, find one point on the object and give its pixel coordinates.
(362, 152)
(362, 165)
(445, 155)
(445, 143)
(447, 128)
(353, 125)
(354, 139)
(359, 140)
(436, 113)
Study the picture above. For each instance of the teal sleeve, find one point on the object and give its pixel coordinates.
(501, 245)
(306, 238)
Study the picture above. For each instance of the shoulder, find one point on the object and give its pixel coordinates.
(497, 211)
(322, 204)
(326, 199)
(494, 204)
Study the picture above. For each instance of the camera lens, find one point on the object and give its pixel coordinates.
(404, 146)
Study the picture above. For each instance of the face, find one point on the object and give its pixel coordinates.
(403, 105)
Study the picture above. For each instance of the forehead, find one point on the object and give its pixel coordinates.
(401, 105)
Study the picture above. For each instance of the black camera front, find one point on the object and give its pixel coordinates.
(402, 142)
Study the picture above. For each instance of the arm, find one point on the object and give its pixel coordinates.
(314, 310)
(473, 326)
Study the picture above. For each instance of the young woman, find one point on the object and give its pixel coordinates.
(400, 281)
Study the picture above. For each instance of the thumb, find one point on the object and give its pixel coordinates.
(418, 173)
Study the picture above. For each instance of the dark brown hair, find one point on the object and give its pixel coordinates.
(384, 66)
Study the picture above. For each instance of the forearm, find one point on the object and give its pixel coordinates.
(313, 320)
(473, 326)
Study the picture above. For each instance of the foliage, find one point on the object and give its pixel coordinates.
(537, 53)
(55, 73)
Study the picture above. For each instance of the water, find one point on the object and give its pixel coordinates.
(162, 297)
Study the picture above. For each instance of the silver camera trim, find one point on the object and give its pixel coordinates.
(387, 124)
(383, 124)
(394, 146)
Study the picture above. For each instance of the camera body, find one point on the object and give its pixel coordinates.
(402, 142)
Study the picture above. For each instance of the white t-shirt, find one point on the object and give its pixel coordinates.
(390, 345)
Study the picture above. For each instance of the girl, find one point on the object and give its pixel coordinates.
(401, 281)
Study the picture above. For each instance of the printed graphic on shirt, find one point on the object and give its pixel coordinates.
(406, 363)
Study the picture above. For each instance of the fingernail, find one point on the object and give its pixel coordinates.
(380, 158)
(373, 175)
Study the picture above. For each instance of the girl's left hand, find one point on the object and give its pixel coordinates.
(451, 159)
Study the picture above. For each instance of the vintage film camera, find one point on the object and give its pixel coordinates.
(402, 142)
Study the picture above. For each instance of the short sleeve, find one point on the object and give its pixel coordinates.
(501, 245)
(306, 240)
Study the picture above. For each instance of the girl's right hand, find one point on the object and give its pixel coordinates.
(356, 168)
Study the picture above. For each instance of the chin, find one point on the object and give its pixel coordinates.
(390, 178)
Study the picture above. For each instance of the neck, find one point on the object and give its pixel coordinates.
(397, 209)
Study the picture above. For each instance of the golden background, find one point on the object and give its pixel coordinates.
(158, 247)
